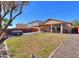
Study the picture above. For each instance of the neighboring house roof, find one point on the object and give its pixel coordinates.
(34, 23)
(21, 24)
(37, 21)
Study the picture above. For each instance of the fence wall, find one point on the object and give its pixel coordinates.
(24, 30)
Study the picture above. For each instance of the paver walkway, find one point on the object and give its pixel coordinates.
(69, 49)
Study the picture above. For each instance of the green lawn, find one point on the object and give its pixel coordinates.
(39, 44)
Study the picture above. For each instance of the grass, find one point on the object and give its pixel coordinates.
(40, 45)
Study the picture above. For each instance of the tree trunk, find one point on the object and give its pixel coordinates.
(0, 16)
(0, 22)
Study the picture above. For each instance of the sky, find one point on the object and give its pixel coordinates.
(43, 10)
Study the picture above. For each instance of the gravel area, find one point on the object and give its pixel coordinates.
(69, 49)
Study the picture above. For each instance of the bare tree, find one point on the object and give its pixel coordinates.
(11, 8)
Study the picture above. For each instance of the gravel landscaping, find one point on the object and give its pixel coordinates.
(39, 45)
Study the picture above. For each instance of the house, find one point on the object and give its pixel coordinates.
(22, 27)
(75, 29)
(50, 25)
(28, 27)
(53, 25)
(35, 25)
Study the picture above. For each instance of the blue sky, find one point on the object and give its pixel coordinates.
(42, 10)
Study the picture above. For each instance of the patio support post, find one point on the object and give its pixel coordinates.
(50, 28)
(61, 28)
(39, 29)
(56, 29)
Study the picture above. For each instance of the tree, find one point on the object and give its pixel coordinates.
(5, 22)
(11, 8)
(75, 22)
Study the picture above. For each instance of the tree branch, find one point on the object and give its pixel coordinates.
(11, 13)
(21, 7)
(5, 14)
(16, 15)
(2, 33)
(10, 21)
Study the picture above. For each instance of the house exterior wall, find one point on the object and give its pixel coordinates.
(45, 28)
(78, 29)
(68, 27)
(75, 30)
(21, 26)
(36, 29)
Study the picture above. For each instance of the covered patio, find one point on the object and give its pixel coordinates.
(55, 26)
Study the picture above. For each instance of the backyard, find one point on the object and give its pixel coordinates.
(41, 45)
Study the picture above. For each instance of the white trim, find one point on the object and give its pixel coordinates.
(55, 50)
